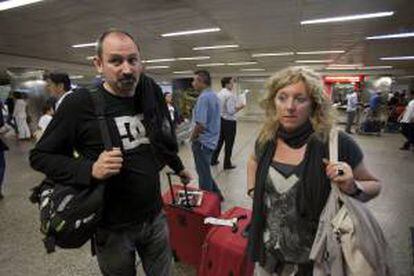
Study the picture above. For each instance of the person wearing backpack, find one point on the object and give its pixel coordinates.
(143, 141)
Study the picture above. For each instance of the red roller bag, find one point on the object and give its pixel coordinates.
(186, 225)
(225, 249)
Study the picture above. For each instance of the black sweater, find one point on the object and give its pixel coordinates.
(131, 196)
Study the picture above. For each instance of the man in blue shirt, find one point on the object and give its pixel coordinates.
(206, 117)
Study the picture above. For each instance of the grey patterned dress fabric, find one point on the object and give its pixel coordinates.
(287, 237)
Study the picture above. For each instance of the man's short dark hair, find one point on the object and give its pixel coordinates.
(59, 77)
(99, 45)
(205, 76)
(225, 81)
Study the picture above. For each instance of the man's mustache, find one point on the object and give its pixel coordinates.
(128, 78)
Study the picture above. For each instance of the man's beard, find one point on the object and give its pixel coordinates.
(126, 84)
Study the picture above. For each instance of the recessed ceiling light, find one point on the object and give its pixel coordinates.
(375, 67)
(253, 69)
(92, 44)
(273, 54)
(346, 65)
(191, 32)
(210, 64)
(242, 63)
(321, 52)
(194, 58)
(347, 18)
(343, 66)
(157, 67)
(183, 72)
(390, 36)
(314, 61)
(158, 60)
(90, 57)
(76, 77)
(215, 47)
(6, 5)
(398, 58)
(343, 78)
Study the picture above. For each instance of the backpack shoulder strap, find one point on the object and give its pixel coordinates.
(99, 104)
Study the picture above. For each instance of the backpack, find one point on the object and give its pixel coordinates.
(69, 214)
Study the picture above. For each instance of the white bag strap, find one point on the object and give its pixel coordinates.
(333, 145)
(333, 153)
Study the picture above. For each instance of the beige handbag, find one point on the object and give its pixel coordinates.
(349, 240)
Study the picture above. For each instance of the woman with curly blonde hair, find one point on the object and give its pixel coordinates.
(289, 175)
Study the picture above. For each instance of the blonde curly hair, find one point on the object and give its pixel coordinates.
(321, 116)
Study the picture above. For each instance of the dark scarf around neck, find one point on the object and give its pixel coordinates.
(297, 138)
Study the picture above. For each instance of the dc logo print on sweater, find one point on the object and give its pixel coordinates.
(131, 131)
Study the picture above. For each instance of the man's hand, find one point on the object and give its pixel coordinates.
(108, 164)
(185, 176)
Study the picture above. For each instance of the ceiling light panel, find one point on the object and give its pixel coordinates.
(84, 45)
(314, 61)
(391, 36)
(216, 47)
(347, 18)
(183, 72)
(273, 54)
(11, 4)
(192, 32)
(242, 63)
(159, 60)
(398, 58)
(253, 70)
(210, 64)
(321, 52)
(157, 67)
(194, 58)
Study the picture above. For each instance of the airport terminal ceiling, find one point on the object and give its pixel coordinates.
(259, 37)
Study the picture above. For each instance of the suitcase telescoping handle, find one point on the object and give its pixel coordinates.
(185, 182)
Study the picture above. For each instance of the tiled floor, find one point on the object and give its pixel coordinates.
(22, 253)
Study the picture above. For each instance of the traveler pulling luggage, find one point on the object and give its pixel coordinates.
(224, 249)
(186, 221)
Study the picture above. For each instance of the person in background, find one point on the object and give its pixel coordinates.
(206, 132)
(351, 109)
(20, 116)
(174, 114)
(3, 149)
(407, 123)
(44, 121)
(59, 86)
(289, 176)
(10, 109)
(375, 103)
(229, 108)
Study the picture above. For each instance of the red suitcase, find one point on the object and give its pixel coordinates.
(187, 228)
(224, 250)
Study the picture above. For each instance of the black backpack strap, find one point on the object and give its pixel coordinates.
(99, 104)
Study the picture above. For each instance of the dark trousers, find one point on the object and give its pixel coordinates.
(115, 248)
(2, 169)
(407, 129)
(350, 120)
(227, 136)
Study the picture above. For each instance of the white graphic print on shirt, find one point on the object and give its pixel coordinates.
(131, 131)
